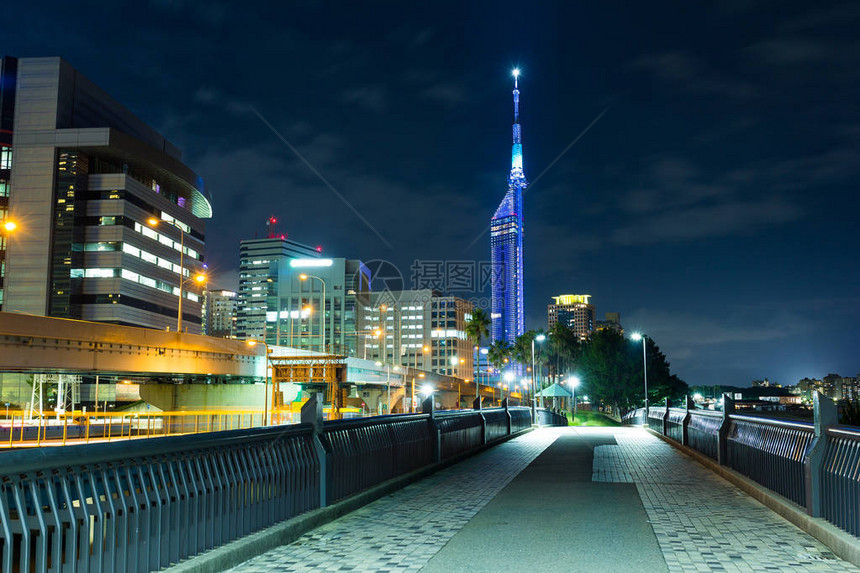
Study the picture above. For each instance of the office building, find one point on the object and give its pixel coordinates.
(313, 303)
(422, 329)
(219, 318)
(611, 321)
(574, 311)
(506, 244)
(8, 77)
(258, 260)
(110, 222)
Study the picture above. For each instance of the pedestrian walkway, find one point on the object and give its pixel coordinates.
(561, 499)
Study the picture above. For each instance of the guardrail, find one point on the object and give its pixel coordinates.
(111, 507)
(816, 466)
(547, 417)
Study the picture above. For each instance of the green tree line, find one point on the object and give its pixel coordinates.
(608, 364)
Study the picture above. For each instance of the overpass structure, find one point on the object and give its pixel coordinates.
(45, 344)
(180, 371)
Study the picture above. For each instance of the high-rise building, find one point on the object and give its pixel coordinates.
(421, 329)
(506, 243)
(258, 260)
(574, 311)
(220, 313)
(84, 178)
(313, 304)
(8, 78)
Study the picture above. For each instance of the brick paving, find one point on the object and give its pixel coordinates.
(702, 522)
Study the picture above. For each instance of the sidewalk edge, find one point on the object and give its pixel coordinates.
(842, 543)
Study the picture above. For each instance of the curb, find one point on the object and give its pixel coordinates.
(240, 550)
(842, 543)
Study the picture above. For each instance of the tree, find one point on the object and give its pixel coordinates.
(611, 369)
(499, 352)
(478, 326)
(564, 349)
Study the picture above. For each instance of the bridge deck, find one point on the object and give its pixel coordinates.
(563, 499)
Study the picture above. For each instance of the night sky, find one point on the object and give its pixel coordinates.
(713, 204)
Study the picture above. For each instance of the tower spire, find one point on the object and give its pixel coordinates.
(517, 177)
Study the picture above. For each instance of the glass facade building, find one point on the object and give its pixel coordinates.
(506, 244)
(258, 264)
(85, 177)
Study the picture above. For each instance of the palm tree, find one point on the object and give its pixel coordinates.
(478, 328)
(499, 353)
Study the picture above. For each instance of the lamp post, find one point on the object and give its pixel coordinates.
(305, 277)
(637, 336)
(573, 382)
(253, 343)
(509, 378)
(539, 338)
(153, 222)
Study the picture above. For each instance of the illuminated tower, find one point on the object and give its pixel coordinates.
(506, 242)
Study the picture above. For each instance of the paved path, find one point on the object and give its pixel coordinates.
(561, 499)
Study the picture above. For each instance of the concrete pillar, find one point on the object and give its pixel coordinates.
(477, 406)
(312, 414)
(723, 434)
(666, 417)
(688, 405)
(429, 407)
(826, 414)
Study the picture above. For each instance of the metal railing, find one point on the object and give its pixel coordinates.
(104, 507)
(21, 429)
(770, 452)
(547, 417)
(816, 466)
(840, 478)
(109, 507)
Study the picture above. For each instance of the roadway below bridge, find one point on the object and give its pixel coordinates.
(561, 499)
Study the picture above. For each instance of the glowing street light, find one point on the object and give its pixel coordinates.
(10, 226)
(539, 338)
(637, 337)
(573, 382)
(199, 278)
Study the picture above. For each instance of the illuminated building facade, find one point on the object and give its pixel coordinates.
(319, 312)
(82, 179)
(258, 260)
(506, 243)
(219, 318)
(8, 77)
(398, 325)
(574, 311)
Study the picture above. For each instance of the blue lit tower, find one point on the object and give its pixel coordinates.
(506, 243)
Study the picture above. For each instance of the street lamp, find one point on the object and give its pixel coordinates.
(10, 226)
(509, 377)
(199, 278)
(637, 336)
(539, 338)
(573, 382)
(253, 343)
(305, 277)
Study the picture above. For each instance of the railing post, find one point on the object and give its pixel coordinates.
(507, 414)
(312, 413)
(723, 434)
(826, 414)
(476, 404)
(666, 418)
(688, 405)
(429, 407)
